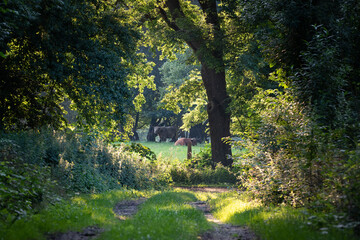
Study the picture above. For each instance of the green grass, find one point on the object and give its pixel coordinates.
(278, 223)
(166, 215)
(168, 151)
(163, 216)
(74, 214)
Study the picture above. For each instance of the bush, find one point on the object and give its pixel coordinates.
(181, 173)
(201, 170)
(23, 186)
(142, 150)
(296, 162)
(83, 163)
(201, 159)
(30, 162)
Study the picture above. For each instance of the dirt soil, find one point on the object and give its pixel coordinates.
(221, 230)
(123, 210)
(85, 234)
(128, 208)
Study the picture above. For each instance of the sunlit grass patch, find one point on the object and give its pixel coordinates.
(278, 223)
(163, 216)
(73, 214)
(168, 151)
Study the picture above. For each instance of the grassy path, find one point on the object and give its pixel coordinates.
(173, 214)
(222, 231)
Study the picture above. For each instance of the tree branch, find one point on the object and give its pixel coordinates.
(177, 13)
(210, 10)
(167, 20)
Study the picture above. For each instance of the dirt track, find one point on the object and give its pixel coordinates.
(126, 209)
(221, 230)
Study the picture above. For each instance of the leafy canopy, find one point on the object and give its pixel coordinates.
(60, 50)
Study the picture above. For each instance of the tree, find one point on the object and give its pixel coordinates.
(308, 133)
(199, 25)
(60, 50)
(314, 43)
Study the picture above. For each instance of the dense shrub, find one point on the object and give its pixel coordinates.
(96, 167)
(182, 174)
(294, 161)
(201, 159)
(142, 150)
(23, 186)
(201, 170)
(31, 161)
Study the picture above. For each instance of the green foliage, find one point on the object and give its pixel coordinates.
(183, 91)
(23, 186)
(83, 163)
(280, 166)
(32, 161)
(96, 167)
(295, 104)
(142, 150)
(182, 173)
(61, 50)
(201, 159)
(175, 72)
(321, 82)
(295, 162)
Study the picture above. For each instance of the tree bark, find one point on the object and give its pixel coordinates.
(219, 117)
(151, 135)
(135, 136)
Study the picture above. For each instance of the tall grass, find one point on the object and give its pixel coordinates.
(278, 223)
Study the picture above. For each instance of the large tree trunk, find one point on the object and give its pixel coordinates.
(210, 54)
(219, 118)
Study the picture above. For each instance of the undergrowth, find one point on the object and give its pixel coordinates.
(40, 167)
(197, 170)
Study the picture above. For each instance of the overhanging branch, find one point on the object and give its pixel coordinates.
(167, 20)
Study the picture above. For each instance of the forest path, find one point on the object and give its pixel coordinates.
(221, 231)
(127, 208)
